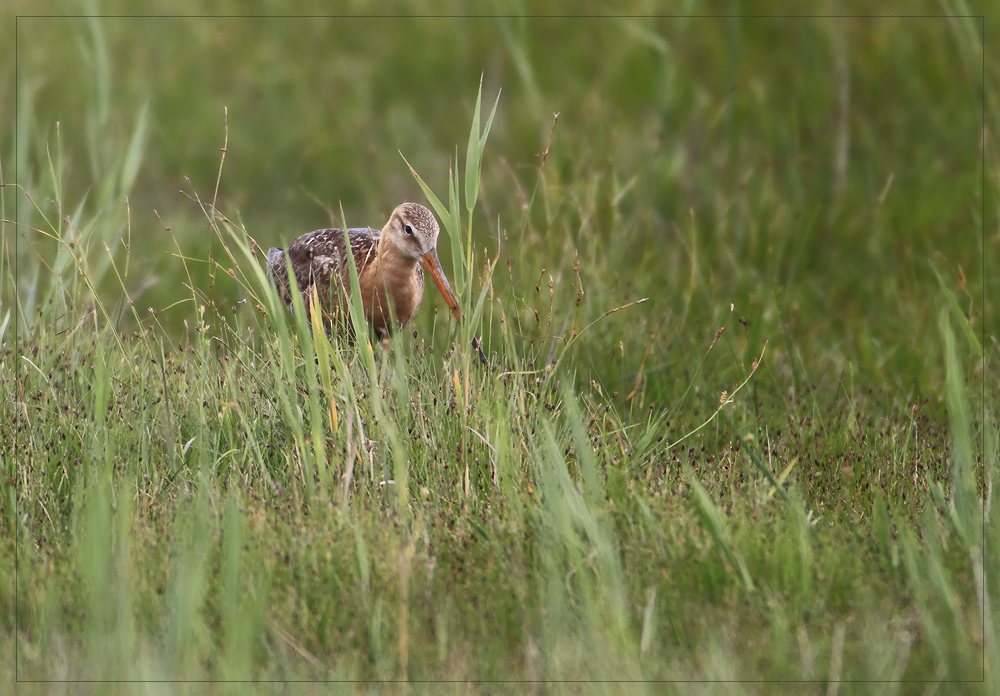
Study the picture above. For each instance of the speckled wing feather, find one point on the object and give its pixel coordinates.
(317, 259)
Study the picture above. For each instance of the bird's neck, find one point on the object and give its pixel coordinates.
(393, 282)
(392, 260)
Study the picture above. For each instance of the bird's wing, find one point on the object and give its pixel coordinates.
(317, 259)
(364, 244)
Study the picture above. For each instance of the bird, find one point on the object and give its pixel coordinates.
(390, 265)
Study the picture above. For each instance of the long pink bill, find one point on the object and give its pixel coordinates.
(432, 265)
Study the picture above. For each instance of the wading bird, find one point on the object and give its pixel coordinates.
(390, 265)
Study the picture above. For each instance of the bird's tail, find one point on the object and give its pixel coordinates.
(275, 257)
(278, 273)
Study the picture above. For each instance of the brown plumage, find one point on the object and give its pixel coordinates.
(388, 263)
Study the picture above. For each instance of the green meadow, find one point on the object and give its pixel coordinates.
(736, 279)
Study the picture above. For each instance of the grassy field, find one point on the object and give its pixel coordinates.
(736, 276)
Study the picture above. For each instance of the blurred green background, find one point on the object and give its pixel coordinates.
(809, 170)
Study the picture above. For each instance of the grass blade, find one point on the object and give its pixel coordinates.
(473, 154)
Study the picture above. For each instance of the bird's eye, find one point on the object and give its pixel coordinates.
(408, 229)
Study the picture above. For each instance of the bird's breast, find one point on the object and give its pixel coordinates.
(392, 290)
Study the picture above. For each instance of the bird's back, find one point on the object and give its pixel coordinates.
(318, 261)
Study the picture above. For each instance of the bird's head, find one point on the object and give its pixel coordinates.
(413, 231)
